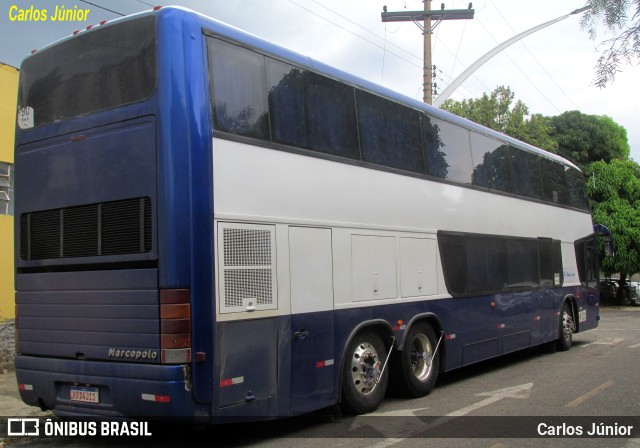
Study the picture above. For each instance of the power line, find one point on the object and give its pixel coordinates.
(534, 58)
(355, 34)
(520, 69)
(102, 7)
(455, 60)
(363, 28)
(449, 76)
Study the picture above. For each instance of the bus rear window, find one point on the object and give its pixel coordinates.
(93, 71)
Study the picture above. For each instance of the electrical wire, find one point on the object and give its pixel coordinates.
(363, 28)
(520, 69)
(102, 7)
(353, 33)
(534, 58)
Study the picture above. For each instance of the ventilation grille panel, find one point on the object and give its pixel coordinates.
(247, 267)
(110, 228)
(247, 247)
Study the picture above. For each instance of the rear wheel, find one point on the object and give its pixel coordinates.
(364, 382)
(419, 362)
(567, 328)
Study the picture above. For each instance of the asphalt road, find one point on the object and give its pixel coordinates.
(524, 399)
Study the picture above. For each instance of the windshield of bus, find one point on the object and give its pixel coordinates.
(95, 70)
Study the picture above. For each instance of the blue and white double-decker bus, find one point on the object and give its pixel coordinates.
(212, 227)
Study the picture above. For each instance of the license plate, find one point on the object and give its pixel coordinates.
(85, 394)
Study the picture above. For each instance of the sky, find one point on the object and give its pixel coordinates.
(551, 71)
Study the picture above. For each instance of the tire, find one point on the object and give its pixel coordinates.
(416, 366)
(363, 385)
(567, 328)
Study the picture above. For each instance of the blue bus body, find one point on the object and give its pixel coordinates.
(94, 321)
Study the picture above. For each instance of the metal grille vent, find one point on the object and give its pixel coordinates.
(110, 228)
(247, 247)
(248, 267)
(241, 284)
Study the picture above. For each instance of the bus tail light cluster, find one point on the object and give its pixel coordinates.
(175, 326)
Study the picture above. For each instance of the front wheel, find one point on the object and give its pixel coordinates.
(364, 380)
(567, 328)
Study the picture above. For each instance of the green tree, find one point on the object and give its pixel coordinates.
(586, 138)
(498, 111)
(622, 19)
(614, 192)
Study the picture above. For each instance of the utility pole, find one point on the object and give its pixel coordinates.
(427, 75)
(426, 18)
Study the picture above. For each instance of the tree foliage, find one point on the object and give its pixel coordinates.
(498, 111)
(586, 138)
(614, 192)
(622, 19)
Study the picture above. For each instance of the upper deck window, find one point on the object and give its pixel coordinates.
(93, 71)
(256, 96)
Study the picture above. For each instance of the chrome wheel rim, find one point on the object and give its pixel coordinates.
(568, 327)
(421, 357)
(366, 368)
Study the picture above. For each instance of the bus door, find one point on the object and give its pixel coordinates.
(313, 365)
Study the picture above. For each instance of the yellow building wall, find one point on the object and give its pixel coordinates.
(8, 100)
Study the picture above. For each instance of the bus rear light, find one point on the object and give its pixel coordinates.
(175, 340)
(175, 311)
(175, 356)
(175, 326)
(175, 296)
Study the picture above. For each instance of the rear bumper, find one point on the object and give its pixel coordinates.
(126, 390)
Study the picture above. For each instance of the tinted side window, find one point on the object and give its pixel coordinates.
(525, 174)
(576, 189)
(554, 182)
(331, 117)
(435, 157)
(558, 269)
(551, 271)
(522, 263)
(238, 90)
(453, 147)
(286, 87)
(490, 264)
(389, 133)
(490, 163)
(486, 264)
(454, 262)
